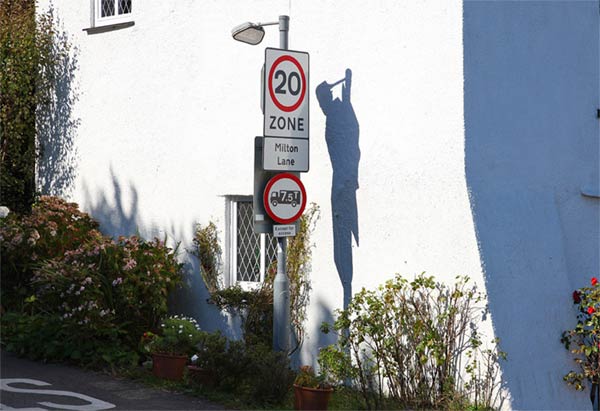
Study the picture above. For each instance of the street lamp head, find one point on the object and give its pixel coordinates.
(248, 33)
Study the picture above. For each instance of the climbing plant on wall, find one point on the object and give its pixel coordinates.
(31, 52)
(256, 306)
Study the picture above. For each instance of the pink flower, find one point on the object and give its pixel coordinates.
(17, 239)
(130, 265)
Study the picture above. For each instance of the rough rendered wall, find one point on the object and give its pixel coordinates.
(532, 144)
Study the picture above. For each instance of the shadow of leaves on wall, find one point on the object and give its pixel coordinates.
(56, 124)
(114, 217)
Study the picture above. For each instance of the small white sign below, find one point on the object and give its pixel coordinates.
(284, 230)
(285, 154)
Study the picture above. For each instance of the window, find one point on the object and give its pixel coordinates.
(249, 255)
(110, 12)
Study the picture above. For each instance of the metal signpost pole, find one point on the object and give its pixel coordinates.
(281, 286)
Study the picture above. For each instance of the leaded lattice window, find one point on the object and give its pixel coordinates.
(112, 11)
(250, 254)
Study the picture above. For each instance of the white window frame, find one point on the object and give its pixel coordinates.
(231, 245)
(98, 21)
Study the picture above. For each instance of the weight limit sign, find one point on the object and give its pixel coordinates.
(286, 93)
(284, 198)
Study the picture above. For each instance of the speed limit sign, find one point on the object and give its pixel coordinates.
(286, 93)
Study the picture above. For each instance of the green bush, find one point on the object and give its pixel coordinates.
(254, 307)
(50, 338)
(105, 293)
(254, 374)
(275, 374)
(52, 228)
(114, 283)
(20, 58)
(415, 342)
(260, 375)
(210, 351)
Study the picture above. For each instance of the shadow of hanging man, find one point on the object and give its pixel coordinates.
(341, 135)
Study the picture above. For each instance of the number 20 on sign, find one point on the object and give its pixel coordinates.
(286, 94)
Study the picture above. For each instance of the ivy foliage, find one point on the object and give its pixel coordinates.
(208, 251)
(31, 51)
(19, 61)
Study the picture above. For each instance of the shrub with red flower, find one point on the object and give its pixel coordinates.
(584, 340)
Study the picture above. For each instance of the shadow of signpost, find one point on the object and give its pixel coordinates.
(341, 135)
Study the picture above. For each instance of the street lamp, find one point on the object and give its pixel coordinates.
(253, 33)
(249, 33)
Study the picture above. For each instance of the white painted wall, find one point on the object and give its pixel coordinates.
(169, 109)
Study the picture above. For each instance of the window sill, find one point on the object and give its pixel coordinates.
(109, 27)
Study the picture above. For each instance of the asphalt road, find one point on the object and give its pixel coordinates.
(33, 386)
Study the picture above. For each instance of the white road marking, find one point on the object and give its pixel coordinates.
(94, 403)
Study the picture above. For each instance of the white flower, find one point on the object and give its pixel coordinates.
(194, 358)
(180, 331)
(4, 211)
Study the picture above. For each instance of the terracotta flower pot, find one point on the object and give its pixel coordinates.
(168, 366)
(311, 398)
(201, 376)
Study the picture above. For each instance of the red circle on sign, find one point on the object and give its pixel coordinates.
(280, 106)
(267, 204)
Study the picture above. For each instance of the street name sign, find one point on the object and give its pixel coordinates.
(286, 94)
(284, 198)
(285, 154)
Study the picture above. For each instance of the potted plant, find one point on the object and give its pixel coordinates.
(171, 348)
(584, 340)
(311, 391)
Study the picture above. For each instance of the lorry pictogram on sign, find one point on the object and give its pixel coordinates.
(291, 197)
